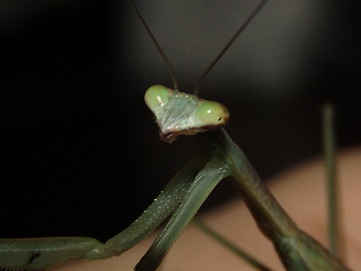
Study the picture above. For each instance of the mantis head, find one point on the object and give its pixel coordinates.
(181, 113)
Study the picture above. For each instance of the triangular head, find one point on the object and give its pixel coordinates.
(179, 113)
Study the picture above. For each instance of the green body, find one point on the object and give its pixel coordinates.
(218, 158)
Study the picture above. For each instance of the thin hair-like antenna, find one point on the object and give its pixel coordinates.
(160, 50)
(239, 31)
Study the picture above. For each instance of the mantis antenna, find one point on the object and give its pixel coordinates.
(160, 50)
(210, 67)
(235, 36)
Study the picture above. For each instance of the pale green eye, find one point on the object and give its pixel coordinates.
(210, 115)
(157, 96)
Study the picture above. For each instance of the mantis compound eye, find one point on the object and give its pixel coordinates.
(157, 96)
(210, 115)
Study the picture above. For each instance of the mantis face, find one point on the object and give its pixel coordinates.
(180, 113)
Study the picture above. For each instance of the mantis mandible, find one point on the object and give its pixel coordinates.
(219, 157)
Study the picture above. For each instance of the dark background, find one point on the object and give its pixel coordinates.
(79, 150)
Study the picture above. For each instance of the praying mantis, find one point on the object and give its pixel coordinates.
(218, 158)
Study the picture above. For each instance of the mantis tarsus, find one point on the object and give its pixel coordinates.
(218, 158)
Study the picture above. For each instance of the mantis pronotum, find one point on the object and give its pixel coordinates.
(219, 158)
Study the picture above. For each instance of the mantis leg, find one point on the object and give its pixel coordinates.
(297, 250)
(165, 204)
(203, 185)
(44, 253)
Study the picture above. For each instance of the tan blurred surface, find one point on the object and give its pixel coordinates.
(301, 192)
